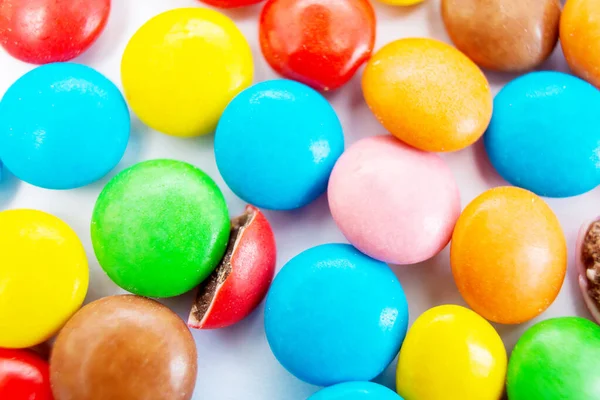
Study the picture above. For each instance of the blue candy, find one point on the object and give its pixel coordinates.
(62, 126)
(355, 391)
(335, 315)
(276, 144)
(545, 134)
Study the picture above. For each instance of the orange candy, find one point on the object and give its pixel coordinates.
(580, 38)
(428, 94)
(508, 255)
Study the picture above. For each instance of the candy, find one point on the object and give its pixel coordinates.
(544, 134)
(23, 376)
(503, 35)
(124, 347)
(556, 359)
(44, 275)
(62, 126)
(580, 38)
(451, 353)
(355, 391)
(393, 202)
(587, 262)
(335, 315)
(242, 279)
(230, 3)
(508, 255)
(276, 144)
(401, 2)
(45, 31)
(320, 42)
(160, 227)
(428, 94)
(181, 68)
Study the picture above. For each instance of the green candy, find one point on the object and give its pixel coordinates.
(160, 227)
(556, 359)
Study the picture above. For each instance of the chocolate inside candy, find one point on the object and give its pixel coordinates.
(590, 256)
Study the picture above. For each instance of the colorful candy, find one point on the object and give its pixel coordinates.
(318, 42)
(43, 275)
(23, 376)
(401, 2)
(62, 126)
(355, 391)
(230, 3)
(160, 227)
(587, 262)
(181, 68)
(508, 255)
(335, 315)
(277, 143)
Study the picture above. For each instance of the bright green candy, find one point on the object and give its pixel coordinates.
(556, 359)
(160, 227)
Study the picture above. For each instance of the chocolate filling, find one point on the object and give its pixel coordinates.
(590, 256)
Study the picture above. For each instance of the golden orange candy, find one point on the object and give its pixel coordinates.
(428, 94)
(508, 255)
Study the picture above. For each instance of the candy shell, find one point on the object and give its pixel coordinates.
(355, 391)
(401, 2)
(428, 94)
(508, 255)
(587, 262)
(412, 203)
(230, 3)
(544, 134)
(556, 359)
(182, 67)
(451, 353)
(23, 376)
(335, 315)
(160, 227)
(62, 126)
(44, 275)
(277, 143)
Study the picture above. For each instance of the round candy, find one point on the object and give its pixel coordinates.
(62, 126)
(335, 315)
(556, 359)
(124, 347)
(230, 3)
(276, 144)
(451, 353)
(508, 255)
(580, 38)
(182, 67)
(45, 31)
(44, 276)
(23, 376)
(544, 134)
(318, 42)
(355, 391)
(412, 203)
(428, 94)
(503, 35)
(160, 227)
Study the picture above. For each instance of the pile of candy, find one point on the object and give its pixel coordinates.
(336, 315)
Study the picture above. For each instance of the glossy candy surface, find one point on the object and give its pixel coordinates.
(160, 227)
(544, 134)
(44, 275)
(124, 347)
(318, 42)
(182, 67)
(276, 144)
(335, 315)
(45, 31)
(556, 359)
(428, 94)
(23, 376)
(451, 353)
(230, 3)
(62, 126)
(417, 200)
(355, 391)
(508, 255)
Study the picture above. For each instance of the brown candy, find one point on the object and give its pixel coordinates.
(503, 35)
(124, 348)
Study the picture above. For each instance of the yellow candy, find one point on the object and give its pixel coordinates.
(182, 68)
(451, 353)
(43, 276)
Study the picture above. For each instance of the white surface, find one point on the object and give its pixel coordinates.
(236, 363)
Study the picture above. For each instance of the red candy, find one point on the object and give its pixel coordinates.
(45, 31)
(23, 376)
(318, 42)
(230, 3)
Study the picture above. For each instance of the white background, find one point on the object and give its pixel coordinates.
(236, 363)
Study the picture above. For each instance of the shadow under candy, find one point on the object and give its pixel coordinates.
(8, 186)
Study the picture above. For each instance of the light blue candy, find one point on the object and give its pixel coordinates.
(335, 315)
(62, 126)
(276, 144)
(355, 391)
(545, 134)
